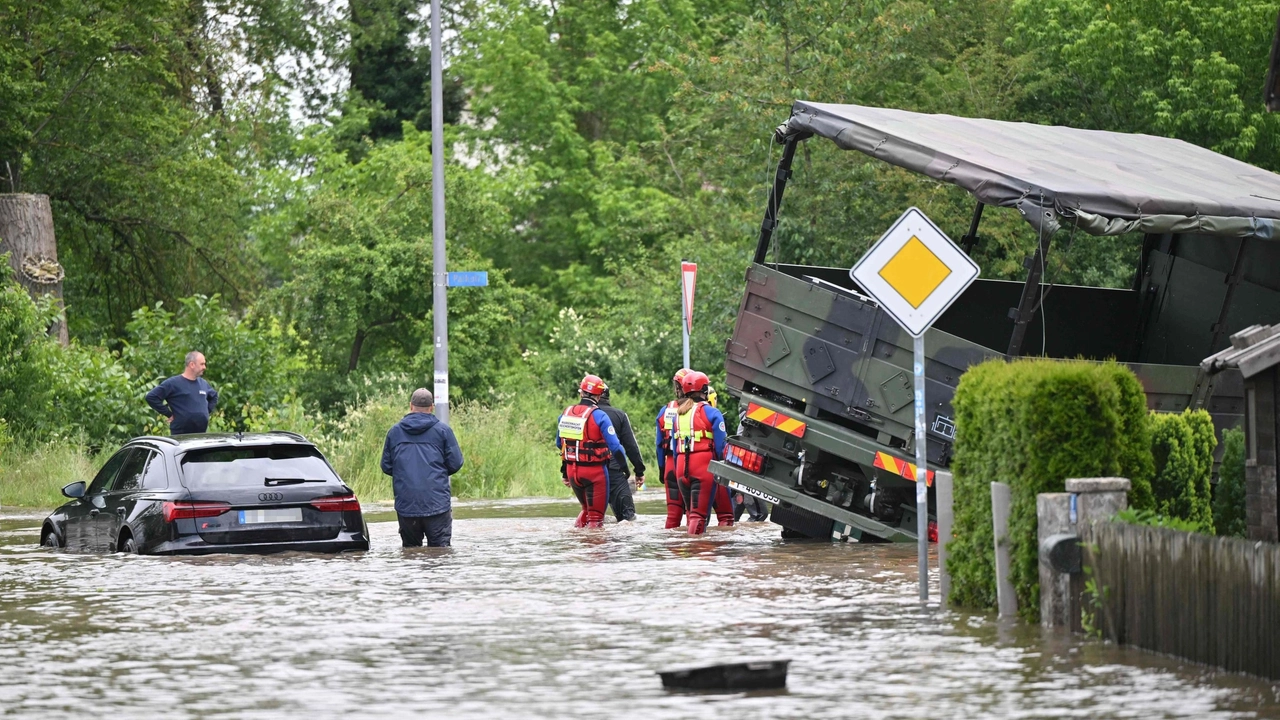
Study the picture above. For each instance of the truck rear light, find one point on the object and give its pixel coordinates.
(183, 510)
(933, 531)
(744, 458)
(342, 503)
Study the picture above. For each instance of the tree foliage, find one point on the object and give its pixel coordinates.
(259, 168)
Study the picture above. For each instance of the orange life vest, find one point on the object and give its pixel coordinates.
(581, 441)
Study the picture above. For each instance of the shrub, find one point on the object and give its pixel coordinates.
(26, 377)
(1182, 446)
(1032, 424)
(248, 364)
(1154, 519)
(1228, 498)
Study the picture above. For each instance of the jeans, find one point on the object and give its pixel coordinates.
(438, 529)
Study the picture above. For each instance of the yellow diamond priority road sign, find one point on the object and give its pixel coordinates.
(914, 272)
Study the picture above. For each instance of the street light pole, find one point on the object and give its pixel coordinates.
(440, 284)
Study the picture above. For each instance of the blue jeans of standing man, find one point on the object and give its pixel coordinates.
(438, 529)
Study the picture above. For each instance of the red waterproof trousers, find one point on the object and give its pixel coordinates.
(675, 500)
(702, 492)
(590, 483)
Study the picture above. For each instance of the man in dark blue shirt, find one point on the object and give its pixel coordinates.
(420, 453)
(186, 401)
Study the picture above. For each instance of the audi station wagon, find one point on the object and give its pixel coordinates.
(210, 493)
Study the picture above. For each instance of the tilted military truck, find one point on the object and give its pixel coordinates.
(824, 377)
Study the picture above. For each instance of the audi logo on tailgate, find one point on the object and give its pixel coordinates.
(270, 496)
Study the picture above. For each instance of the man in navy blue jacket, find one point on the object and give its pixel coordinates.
(186, 401)
(420, 454)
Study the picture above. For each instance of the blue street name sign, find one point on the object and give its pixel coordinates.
(478, 278)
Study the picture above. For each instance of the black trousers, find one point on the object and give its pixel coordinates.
(624, 507)
(438, 529)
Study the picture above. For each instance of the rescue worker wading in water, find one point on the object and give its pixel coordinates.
(698, 439)
(587, 440)
(666, 461)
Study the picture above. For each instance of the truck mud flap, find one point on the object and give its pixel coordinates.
(802, 521)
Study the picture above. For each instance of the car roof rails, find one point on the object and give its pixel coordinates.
(158, 438)
(290, 433)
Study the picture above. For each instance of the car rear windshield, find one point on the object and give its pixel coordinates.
(266, 465)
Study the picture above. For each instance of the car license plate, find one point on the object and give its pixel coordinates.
(270, 515)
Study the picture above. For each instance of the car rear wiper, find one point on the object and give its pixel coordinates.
(274, 482)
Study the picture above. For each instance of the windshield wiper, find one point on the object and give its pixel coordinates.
(274, 482)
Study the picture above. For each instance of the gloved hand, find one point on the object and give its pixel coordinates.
(639, 482)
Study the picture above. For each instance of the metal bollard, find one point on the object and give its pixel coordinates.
(944, 486)
(1001, 500)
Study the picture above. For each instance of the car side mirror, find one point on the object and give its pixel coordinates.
(74, 491)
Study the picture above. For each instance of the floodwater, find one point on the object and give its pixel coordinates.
(527, 617)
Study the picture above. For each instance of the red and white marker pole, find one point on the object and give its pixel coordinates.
(688, 278)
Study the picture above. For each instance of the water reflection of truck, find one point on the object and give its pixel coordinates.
(824, 377)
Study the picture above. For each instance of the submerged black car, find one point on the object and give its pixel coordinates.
(195, 494)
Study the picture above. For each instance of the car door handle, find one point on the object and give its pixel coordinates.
(93, 512)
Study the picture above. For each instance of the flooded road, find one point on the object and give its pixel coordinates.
(526, 617)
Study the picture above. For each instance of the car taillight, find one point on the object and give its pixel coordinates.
(179, 510)
(744, 458)
(933, 531)
(344, 503)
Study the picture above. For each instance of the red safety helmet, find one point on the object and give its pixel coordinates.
(695, 382)
(678, 378)
(592, 385)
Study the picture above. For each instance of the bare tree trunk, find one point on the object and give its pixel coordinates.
(26, 233)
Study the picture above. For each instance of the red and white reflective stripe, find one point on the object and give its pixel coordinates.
(907, 470)
(773, 419)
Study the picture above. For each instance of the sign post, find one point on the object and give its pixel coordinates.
(688, 279)
(914, 272)
(439, 284)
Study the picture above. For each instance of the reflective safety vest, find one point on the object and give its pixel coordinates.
(581, 441)
(669, 416)
(694, 432)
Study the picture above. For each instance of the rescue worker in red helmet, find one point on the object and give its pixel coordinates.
(587, 440)
(666, 426)
(698, 439)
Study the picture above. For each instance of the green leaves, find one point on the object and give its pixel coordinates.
(1032, 424)
(1182, 446)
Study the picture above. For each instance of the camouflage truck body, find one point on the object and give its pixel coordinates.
(825, 387)
(824, 376)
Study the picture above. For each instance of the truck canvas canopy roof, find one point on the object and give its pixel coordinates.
(1104, 183)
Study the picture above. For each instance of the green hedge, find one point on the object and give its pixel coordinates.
(1228, 497)
(1182, 446)
(1032, 424)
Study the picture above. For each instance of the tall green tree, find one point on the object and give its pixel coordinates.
(567, 91)
(1191, 70)
(360, 287)
(392, 75)
(147, 123)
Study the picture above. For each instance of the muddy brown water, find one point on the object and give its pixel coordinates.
(527, 617)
